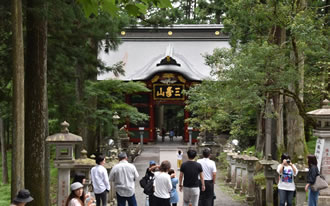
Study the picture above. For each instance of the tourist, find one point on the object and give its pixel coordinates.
(190, 170)
(124, 175)
(149, 176)
(162, 185)
(179, 159)
(81, 177)
(174, 199)
(286, 186)
(76, 197)
(313, 172)
(171, 135)
(100, 181)
(209, 172)
(22, 198)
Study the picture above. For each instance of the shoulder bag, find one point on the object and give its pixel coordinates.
(320, 184)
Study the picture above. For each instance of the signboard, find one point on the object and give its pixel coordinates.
(168, 91)
(319, 152)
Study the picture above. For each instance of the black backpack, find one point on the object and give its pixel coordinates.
(147, 183)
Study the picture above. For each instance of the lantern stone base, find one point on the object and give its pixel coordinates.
(324, 201)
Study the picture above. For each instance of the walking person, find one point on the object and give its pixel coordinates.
(100, 181)
(148, 177)
(286, 186)
(76, 197)
(209, 172)
(174, 199)
(162, 186)
(179, 159)
(171, 135)
(124, 175)
(190, 170)
(22, 198)
(313, 172)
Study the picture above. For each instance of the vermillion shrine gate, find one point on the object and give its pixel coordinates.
(169, 60)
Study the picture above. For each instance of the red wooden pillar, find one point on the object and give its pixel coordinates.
(152, 118)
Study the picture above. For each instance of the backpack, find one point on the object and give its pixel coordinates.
(147, 183)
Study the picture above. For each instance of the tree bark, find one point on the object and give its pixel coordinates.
(278, 108)
(3, 153)
(17, 176)
(260, 143)
(36, 101)
(81, 127)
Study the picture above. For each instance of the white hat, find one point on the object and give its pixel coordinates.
(76, 185)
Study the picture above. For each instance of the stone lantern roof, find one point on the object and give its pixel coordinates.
(322, 116)
(65, 136)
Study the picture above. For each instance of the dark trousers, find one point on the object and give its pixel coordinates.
(206, 197)
(285, 197)
(121, 201)
(101, 197)
(160, 201)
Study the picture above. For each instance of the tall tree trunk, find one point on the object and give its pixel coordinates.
(278, 108)
(17, 176)
(36, 104)
(3, 153)
(80, 115)
(260, 143)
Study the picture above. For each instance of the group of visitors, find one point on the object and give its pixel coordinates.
(196, 181)
(286, 186)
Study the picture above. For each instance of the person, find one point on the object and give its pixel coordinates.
(179, 158)
(209, 171)
(286, 186)
(162, 185)
(190, 170)
(313, 172)
(22, 198)
(174, 199)
(124, 175)
(150, 175)
(171, 135)
(81, 177)
(163, 134)
(76, 197)
(100, 181)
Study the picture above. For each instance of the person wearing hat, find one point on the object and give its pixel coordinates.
(124, 175)
(150, 175)
(100, 181)
(23, 196)
(76, 197)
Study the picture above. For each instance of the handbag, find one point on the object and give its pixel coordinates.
(320, 183)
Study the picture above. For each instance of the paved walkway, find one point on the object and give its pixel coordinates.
(167, 151)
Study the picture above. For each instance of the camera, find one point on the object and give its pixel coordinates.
(288, 161)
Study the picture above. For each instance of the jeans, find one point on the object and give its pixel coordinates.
(121, 201)
(312, 197)
(285, 197)
(101, 197)
(190, 194)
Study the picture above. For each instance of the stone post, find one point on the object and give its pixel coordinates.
(229, 160)
(244, 174)
(301, 181)
(269, 174)
(233, 170)
(251, 163)
(238, 172)
(322, 150)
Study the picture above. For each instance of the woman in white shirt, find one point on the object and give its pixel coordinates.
(162, 186)
(286, 186)
(76, 197)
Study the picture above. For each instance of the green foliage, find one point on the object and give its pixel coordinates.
(5, 189)
(222, 158)
(260, 179)
(311, 145)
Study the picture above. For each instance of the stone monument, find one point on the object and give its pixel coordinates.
(322, 150)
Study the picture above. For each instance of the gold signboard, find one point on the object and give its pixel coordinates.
(168, 91)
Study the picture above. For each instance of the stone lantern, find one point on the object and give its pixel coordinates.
(269, 165)
(251, 164)
(301, 181)
(322, 149)
(64, 159)
(238, 172)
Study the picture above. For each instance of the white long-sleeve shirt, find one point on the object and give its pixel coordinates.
(124, 175)
(100, 179)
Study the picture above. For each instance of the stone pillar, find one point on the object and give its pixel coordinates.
(322, 150)
(63, 185)
(238, 177)
(229, 159)
(269, 174)
(251, 163)
(233, 170)
(301, 181)
(244, 174)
